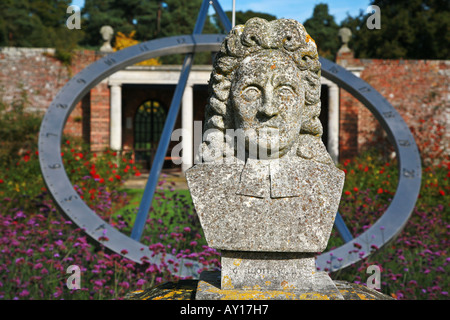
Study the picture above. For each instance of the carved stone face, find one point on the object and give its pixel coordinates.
(268, 98)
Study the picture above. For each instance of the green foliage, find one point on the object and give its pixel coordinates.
(150, 19)
(27, 23)
(413, 265)
(16, 122)
(324, 30)
(409, 29)
(241, 18)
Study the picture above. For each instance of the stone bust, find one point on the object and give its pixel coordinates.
(276, 189)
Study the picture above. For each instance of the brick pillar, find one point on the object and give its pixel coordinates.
(100, 117)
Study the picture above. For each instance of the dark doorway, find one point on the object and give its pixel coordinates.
(148, 125)
(324, 113)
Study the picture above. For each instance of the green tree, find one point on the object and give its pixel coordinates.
(410, 29)
(123, 15)
(37, 23)
(149, 18)
(324, 30)
(242, 17)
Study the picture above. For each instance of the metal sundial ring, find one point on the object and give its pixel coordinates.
(410, 171)
(52, 126)
(58, 183)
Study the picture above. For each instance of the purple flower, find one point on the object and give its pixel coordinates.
(98, 283)
(140, 282)
(19, 214)
(24, 293)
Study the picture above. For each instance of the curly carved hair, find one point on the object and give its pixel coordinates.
(285, 35)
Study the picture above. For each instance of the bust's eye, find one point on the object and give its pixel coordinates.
(285, 91)
(251, 93)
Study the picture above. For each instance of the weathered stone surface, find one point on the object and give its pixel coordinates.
(267, 192)
(267, 270)
(187, 290)
(233, 221)
(314, 286)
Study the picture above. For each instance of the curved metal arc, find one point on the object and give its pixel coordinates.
(53, 123)
(62, 190)
(399, 211)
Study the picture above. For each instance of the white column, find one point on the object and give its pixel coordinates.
(333, 121)
(115, 131)
(187, 124)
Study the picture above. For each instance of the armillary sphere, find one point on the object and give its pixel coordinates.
(69, 202)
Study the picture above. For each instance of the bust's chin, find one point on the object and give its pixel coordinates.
(268, 151)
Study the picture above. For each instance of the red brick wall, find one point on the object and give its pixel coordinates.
(35, 73)
(417, 89)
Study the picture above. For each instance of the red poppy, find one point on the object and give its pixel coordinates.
(441, 192)
(380, 190)
(347, 193)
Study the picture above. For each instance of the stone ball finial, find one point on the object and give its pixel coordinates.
(107, 33)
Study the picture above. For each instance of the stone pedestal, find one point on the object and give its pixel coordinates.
(187, 290)
(321, 287)
(266, 276)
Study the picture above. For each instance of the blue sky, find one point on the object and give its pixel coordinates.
(299, 10)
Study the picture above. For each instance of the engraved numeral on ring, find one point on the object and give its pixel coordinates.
(70, 198)
(143, 47)
(54, 166)
(408, 173)
(181, 40)
(110, 61)
(61, 105)
(404, 143)
(364, 89)
(51, 134)
(81, 81)
(333, 69)
(388, 114)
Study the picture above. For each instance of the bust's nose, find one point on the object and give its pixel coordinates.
(267, 109)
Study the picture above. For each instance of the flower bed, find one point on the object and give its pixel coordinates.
(38, 244)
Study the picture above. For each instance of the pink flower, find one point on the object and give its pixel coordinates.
(38, 266)
(140, 283)
(98, 283)
(24, 293)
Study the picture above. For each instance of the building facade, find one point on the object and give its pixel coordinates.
(127, 110)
